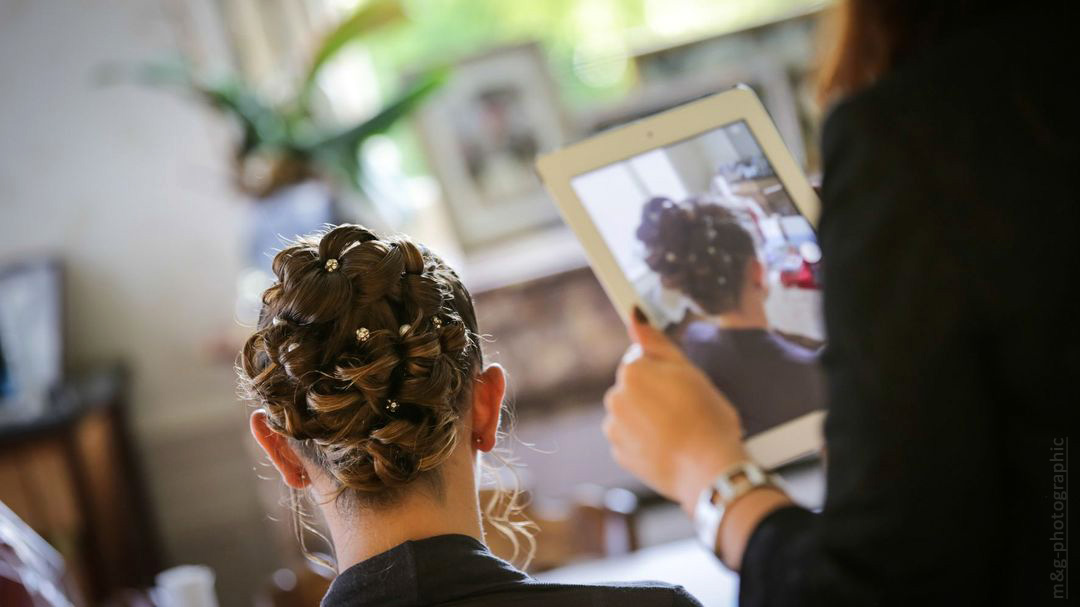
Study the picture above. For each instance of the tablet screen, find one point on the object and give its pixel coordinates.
(718, 252)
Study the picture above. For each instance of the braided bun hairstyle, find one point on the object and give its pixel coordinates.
(364, 354)
(698, 248)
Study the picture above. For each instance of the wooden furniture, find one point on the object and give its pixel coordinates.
(558, 336)
(302, 586)
(71, 476)
(595, 523)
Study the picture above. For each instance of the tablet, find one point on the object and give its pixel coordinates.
(702, 217)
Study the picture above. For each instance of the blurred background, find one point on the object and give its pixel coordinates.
(154, 152)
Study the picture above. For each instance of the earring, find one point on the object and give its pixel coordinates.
(478, 439)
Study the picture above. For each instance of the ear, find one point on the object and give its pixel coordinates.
(755, 273)
(281, 453)
(488, 392)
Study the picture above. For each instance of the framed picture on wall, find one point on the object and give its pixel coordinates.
(481, 135)
(775, 58)
(765, 77)
(31, 337)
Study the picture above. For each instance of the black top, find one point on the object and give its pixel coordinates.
(459, 570)
(768, 379)
(949, 233)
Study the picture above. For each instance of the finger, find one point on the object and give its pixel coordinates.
(652, 341)
(608, 427)
(609, 397)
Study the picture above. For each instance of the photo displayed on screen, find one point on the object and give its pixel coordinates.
(717, 250)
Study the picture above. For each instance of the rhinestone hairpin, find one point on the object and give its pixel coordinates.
(331, 265)
(436, 321)
(362, 334)
(392, 406)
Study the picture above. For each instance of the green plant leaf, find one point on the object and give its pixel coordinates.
(262, 125)
(369, 17)
(339, 151)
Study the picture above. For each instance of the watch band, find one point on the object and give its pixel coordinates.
(725, 490)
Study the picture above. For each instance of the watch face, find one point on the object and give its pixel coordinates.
(714, 500)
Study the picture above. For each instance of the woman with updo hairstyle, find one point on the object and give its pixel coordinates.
(372, 398)
(701, 250)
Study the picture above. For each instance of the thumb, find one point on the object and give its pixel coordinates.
(652, 341)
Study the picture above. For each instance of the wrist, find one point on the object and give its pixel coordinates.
(700, 472)
(742, 519)
(730, 506)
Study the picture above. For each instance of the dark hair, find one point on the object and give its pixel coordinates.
(698, 248)
(363, 354)
(876, 36)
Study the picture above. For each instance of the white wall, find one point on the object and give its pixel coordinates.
(130, 186)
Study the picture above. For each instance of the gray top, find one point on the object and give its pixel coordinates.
(459, 570)
(768, 379)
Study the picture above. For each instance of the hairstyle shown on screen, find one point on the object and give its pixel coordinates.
(697, 248)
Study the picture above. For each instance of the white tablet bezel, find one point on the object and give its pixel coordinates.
(784, 443)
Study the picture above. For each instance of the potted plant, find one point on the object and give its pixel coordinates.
(284, 143)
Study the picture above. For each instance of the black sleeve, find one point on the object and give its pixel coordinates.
(682, 598)
(907, 444)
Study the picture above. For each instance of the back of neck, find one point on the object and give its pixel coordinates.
(361, 533)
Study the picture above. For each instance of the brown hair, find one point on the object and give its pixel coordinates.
(876, 36)
(364, 355)
(698, 248)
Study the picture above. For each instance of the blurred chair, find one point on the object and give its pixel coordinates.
(595, 522)
(303, 586)
(72, 476)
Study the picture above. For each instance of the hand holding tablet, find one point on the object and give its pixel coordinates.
(701, 217)
(665, 393)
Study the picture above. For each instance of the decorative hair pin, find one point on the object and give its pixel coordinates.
(362, 334)
(331, 265)
(403, 329)
(392, 406)
(436, 321)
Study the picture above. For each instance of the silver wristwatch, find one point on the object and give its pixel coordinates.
(733, 483)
